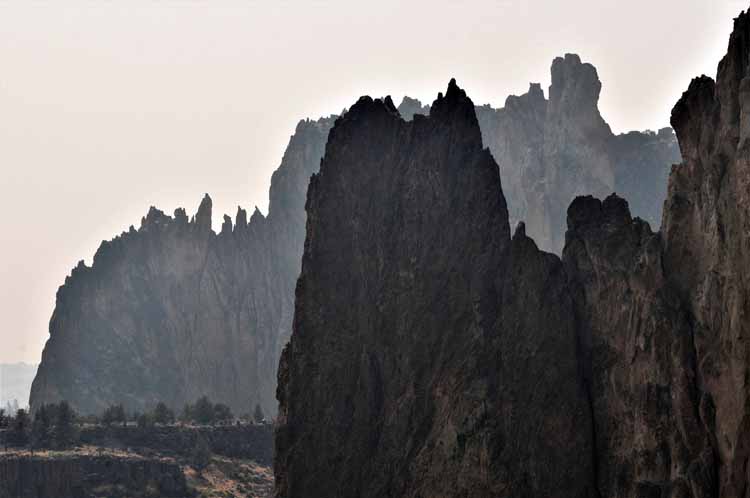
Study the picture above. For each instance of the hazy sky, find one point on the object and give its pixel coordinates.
(107, 108)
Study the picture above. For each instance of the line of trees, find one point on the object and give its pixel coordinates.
(52, 427)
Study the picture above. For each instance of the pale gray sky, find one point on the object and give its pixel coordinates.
(107, 108)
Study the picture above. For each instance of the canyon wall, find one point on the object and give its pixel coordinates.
(173, 310)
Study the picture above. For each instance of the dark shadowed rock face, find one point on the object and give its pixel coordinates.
(707, 248)
(415, 368)
(638, 357)
(550, 151)
(172, 311)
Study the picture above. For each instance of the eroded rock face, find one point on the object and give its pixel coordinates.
(707, 249)
(414, 368)
(172, 311)
(638, 357)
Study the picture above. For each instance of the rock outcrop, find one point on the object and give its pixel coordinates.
(550, 151)
(414, 367)
(173, 311)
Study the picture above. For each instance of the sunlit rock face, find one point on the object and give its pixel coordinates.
(415, 367)
(173, 310)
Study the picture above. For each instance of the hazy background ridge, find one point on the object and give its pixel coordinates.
(108, 108)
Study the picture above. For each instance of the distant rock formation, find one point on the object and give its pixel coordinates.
(550, 151)
(415, 368)
(432, 355)
(172, 311)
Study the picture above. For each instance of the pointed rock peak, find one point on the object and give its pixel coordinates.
(203, 216)
(696, 104)
(257, 216)
(154, 216)
(535, 91)
(226, 226)
(240, 219)
(455, 99)
(520, 230)
(574, 83)
(457, 109)
(389, 104)
(180, 215)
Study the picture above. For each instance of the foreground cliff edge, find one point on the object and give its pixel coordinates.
(433, 355)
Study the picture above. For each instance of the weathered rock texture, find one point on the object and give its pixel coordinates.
(665, 318)
(550, 151)
(87, 476)
(414, 368)
(172, 311)
(707, 249)
(638, 357)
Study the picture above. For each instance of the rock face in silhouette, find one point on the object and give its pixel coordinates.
(172, 311)
(637, 355)
(415, 368)
(707, 249)
(550, 151)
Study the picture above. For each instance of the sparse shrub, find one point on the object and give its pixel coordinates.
(162, 414)
(222, 413)
(145, 420)
(201, 454)
(203, 411)
(114, 414)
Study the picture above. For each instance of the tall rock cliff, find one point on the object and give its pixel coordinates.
(414, 367)
(638, 357)
(664, 319)
(707, 249)
(172, 310)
